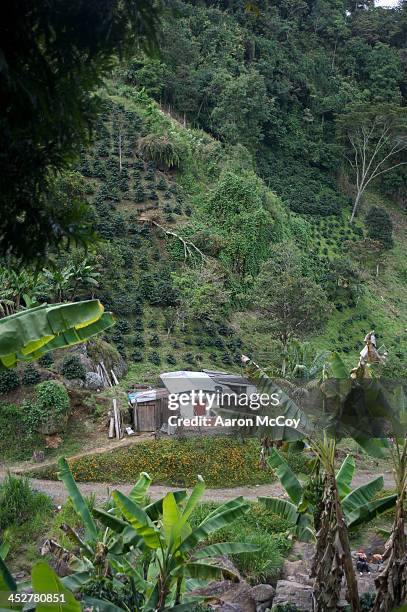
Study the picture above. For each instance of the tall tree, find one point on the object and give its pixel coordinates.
(53, 57)
(293, 303)
(375, 143)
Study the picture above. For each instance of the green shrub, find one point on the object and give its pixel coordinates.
(137, 356)
(263, 565)
(298, 461)
(155, 358)
(13, 427)
(49, 409)
(161, 150)
(379, 226)
(155, 341)
(9, 381)
(72, 367)
(18, 502)
(31, 376)
(139, 340)
(46, 360)
(287, 607)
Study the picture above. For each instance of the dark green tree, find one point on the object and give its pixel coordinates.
(53, 57)
(379, 226)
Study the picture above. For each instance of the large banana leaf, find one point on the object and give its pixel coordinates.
(155, 509)
(108, 519)
(338, 367)
(139, 491)
(29, 334)
(300, 523)
(286, 476)
(362, 495)
(78, 502)
(138, 518)
(199, 571)
(283, 508)
(45, 580)
(171, 519)
(345, 475)
(369, 511)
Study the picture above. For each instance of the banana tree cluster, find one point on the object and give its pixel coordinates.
(152, 544)
(359, 505)
(346, 404)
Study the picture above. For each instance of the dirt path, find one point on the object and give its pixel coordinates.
(57, 491)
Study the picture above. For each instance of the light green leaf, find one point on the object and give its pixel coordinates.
(345, 475)
(171, 518)
(338, 367)
(78, 502)
(45, 580)
(286, 476)
(155, 509)
(30, 333)
(138, 518)
(7, 582)
(139, 491)
(4, 550)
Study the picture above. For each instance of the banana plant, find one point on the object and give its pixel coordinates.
(152, 543)
(29, 334)
(359, 505)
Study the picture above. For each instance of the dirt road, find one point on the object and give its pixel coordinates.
(57, 491)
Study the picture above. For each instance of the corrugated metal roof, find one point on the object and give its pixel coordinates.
(228, 379)
(184, 381)
(141, 397)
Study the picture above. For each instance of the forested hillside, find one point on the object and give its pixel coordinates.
(221, 180)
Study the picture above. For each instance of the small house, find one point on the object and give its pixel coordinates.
(149, 409)
(203, 393)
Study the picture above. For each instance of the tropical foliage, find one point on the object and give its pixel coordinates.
(29, 334)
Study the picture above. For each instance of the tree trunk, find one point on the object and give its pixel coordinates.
(352, 584)
(391, 583)
(332, 555)
(357, 199)
(120, 152)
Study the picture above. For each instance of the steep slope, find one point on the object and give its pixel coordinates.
(188, 223)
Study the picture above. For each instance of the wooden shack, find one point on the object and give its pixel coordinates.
(149, 409)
